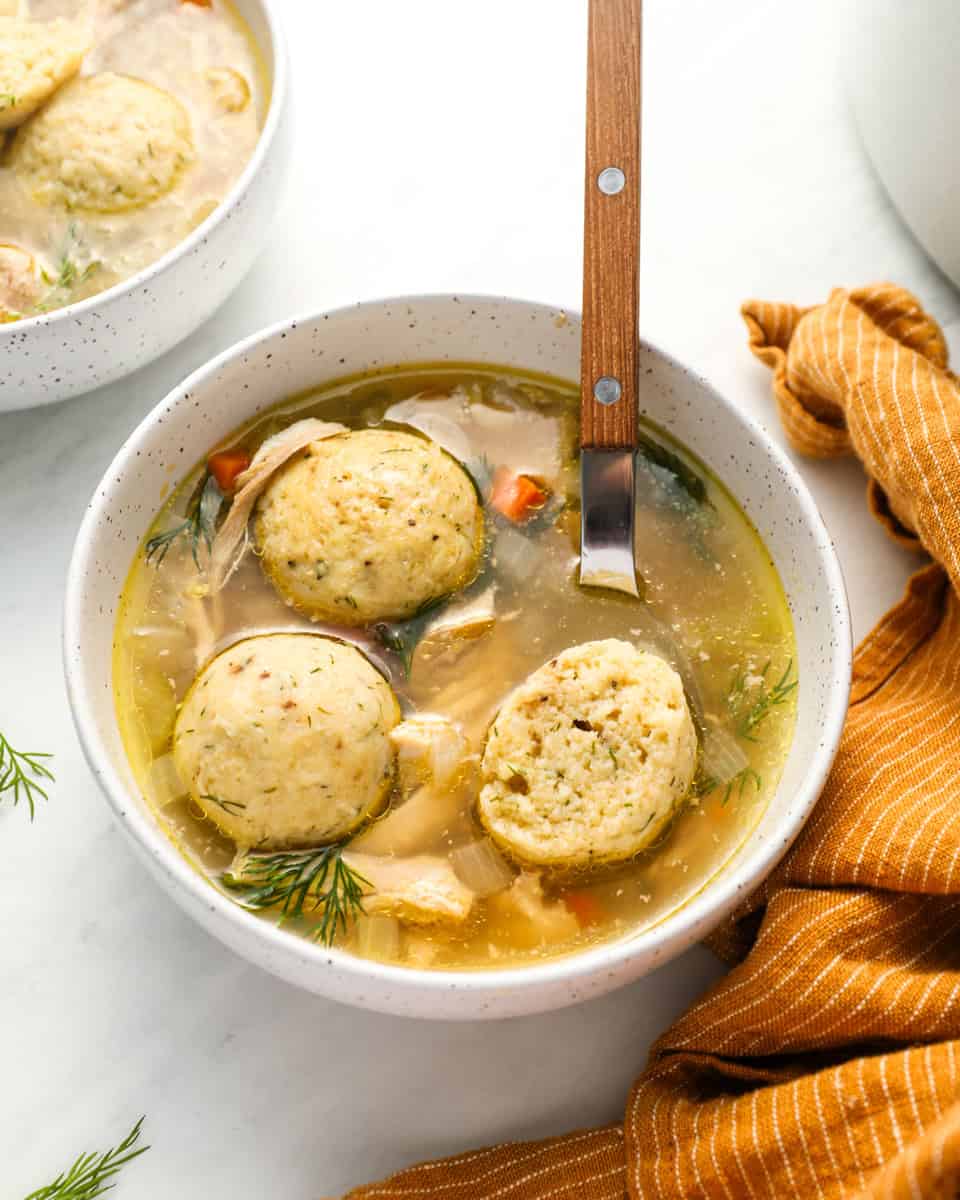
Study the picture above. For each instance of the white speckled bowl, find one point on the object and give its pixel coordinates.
(72, 350)
(303, 353)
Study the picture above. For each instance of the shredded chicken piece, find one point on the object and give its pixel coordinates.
(420, 948)
(198, 620)
(430, 749)
(536, 920)
(422, 890)
(431, 754)
(417, 413)
(230, 541)
(427, 815)
(19, 278)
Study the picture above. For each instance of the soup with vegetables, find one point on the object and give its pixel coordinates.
(366, 697)
(123, 124)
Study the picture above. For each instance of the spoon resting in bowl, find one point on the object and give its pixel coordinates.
(609, 384)
(611, 254)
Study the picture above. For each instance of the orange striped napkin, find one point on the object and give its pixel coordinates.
(827, 1062)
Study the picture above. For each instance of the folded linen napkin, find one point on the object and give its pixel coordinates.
(827, 1062)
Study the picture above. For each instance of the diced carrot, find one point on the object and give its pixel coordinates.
(199, 3)
(516, 497)
(226, 466)
(585, 907)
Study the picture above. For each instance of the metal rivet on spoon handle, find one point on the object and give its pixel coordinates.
(607, 390)
(611, 180)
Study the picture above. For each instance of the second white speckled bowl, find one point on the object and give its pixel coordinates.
(305, 353)
(72, 350)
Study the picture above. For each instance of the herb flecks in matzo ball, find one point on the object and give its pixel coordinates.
(588, 759)
(283, 740)
(369, 525)
(104, 143)
(36, 58)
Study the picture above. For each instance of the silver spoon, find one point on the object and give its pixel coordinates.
(611, 263)
(609, 384)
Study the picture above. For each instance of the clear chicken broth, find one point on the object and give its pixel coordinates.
(174, 45)
(708, 577)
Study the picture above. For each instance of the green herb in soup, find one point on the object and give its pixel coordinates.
(366, 697)
(122, 125)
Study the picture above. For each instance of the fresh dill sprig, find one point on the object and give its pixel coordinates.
(21, 773)
(750, 703)
(299, 882)
(403, 637)
(665, 482)
(480, 473)
(198, 526)
(685, 478)
(69, 275)
(93, 1174)
(229, 806)
(703, 785)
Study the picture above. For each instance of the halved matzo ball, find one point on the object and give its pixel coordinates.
(105, 143)
(283, 740)
(36, 57)
(369, 525)
(588, 758)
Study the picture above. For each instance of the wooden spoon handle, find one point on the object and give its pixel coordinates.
(611, 227)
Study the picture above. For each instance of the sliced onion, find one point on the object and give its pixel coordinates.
(164, 784)
(378, 936)
(516, 555)
(416, 413)
(723, 756)
(161, 640)
(482, 867)
(465, 619)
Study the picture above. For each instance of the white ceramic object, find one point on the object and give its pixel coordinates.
(71, 350)
(903, 76)
(310, 351)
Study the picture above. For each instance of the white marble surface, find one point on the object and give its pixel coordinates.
(440, 148)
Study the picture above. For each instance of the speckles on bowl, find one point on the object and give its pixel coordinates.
(304, 353)
(109, 335)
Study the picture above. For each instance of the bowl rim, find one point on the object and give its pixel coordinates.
(675, 933)
(278, 64)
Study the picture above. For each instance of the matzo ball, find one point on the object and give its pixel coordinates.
(369, 525)
(283, 740)
(105, 143)
(36, 57)
(588, 759)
